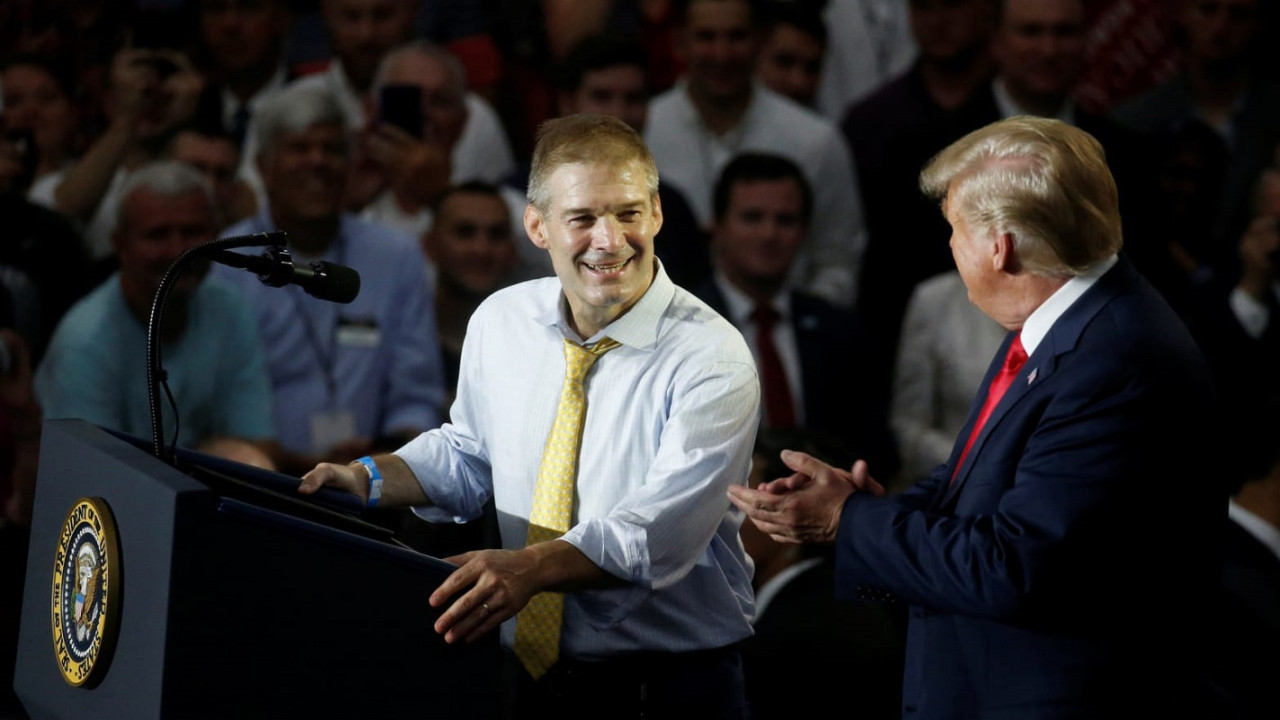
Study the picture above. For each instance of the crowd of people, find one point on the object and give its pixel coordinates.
(440, 150)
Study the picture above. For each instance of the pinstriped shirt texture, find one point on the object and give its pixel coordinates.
(670, 422)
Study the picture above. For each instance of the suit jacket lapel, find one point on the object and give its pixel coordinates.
(1062, 338)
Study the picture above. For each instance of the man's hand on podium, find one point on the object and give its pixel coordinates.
(350, 478)
(399, 486)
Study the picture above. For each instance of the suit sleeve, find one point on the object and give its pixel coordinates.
(1054, 506)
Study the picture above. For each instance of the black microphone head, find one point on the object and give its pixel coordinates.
(333, 282)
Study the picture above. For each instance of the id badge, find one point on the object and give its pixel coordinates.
(358, 334)
(330, 427)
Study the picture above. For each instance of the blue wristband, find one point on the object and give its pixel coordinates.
(375, 480)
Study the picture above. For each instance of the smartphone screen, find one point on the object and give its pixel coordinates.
(401, 106)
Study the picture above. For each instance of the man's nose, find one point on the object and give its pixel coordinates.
(609, 235)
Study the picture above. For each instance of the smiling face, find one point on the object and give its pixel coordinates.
(761, 231)
(719, 46)
(155, 231)
(470, 243)
(305, 173)
(617, 91)
(363, 31)
(33, 100)
(1040, 45)
(598, 227)
(791, 63)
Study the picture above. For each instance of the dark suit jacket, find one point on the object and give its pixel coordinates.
(1063, 572)
(841, 401)
(894, 133)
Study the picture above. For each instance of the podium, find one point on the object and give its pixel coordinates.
(228, 595)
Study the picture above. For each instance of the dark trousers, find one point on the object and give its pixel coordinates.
(705, 684)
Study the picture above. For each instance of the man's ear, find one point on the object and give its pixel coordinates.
(535, 226)
(1005, 257)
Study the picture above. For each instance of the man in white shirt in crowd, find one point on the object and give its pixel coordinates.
(404, 170)
(345, 379)
(244, 43)
(362, 33)
(718, 111)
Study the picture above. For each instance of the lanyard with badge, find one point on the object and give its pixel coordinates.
(332, 424)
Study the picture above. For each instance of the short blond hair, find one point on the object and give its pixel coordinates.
(1041, 180)
(585, 139)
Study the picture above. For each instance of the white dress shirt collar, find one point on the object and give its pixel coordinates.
(637, 328)
(739, 307)
(1042, 319)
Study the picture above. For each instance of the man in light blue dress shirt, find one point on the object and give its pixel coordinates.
(345, 379)
(657, 584)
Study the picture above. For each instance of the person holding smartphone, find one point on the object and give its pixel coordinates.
(152, 92)
(417, 112)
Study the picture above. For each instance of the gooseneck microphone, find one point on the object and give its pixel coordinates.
(274, 267)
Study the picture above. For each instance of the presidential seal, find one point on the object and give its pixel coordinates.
(86, 592)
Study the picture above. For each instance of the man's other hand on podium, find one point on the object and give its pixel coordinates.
(399, 487)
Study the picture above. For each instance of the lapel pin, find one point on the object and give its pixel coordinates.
(1032, 377)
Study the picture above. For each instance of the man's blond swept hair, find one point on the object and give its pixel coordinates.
(585, 139)
(1043, 181)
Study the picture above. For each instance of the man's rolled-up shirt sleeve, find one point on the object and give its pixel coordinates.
(453, 472)
(678, 517)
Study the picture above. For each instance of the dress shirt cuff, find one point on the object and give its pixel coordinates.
(1252, 315)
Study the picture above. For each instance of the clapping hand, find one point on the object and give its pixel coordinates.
(804, 507)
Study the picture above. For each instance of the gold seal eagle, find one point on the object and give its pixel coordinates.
(86, 592)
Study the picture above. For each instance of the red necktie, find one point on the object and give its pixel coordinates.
(1014, 359)
(778, 408)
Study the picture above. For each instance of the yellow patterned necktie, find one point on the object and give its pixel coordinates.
(538, 624)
